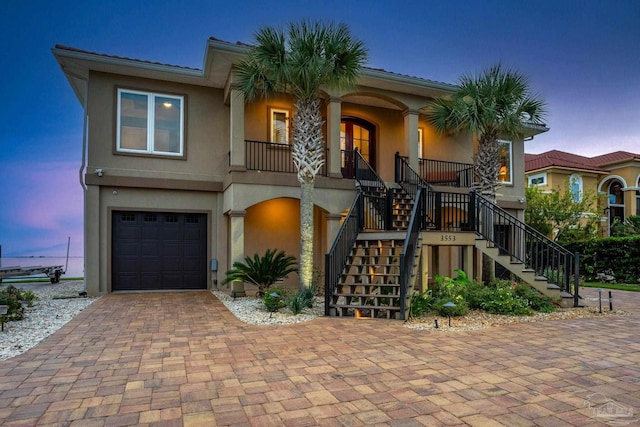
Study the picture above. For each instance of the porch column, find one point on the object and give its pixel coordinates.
(424, 259)
(237, 144)
(236, 245)
(411, 137)
(467, 257)
(333, 226)
(334, 114)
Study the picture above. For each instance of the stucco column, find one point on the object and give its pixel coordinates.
(333, 226)
(95, 279)
(411, 137)
(236, 245)
(467, 256)
(424, 259)
(334, 114)
(237, 144)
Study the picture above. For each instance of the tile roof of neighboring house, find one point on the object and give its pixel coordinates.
(562, 159)
(73, 49)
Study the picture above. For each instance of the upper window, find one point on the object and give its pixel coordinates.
(538, 180)
(150, 123)
(506, 161)
(575, 182)
(279, 126)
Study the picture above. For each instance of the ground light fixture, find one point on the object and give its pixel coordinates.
(449, 305)
(3, 313)
(273, 295)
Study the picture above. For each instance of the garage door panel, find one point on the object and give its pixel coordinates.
(154, 250)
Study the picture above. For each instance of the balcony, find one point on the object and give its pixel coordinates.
(449, 174)
(272, 157)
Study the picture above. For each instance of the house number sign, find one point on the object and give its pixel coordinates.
(447, 237)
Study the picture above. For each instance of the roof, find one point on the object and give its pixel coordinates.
(564, 160)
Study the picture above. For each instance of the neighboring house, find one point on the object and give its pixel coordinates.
(182, 177)
(615, 176)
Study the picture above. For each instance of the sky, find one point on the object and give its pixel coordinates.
(581, 57)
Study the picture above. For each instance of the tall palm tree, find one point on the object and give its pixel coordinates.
(496, 104)
(299, 60)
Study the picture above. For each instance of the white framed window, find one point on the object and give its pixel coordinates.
(279, 125)
(505, 175)
(575, 183)
(538, 179)
(150, 123)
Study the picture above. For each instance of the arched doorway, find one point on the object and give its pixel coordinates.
(356, 134)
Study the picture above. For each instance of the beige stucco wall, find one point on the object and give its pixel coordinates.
(206, 136)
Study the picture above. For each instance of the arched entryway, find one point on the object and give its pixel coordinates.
(356, 134)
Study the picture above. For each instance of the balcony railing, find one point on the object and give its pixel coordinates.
(272, 157)
(452, 174)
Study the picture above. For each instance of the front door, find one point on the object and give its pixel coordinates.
(356, 134)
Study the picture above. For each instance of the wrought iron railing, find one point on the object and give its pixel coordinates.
(378, 198)
(336, 258)
(453, 174)
(407, 258)
(272, 157)
(523, 243)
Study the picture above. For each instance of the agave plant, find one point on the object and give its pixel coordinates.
(263, 271)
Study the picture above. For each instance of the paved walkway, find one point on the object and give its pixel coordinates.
(182, 359)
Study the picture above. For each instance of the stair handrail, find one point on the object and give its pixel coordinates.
(375, 190)
(530, 247)
(407, 257)
(336, 259)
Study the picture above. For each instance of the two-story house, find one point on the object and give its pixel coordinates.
(183, 177)
(613, 176)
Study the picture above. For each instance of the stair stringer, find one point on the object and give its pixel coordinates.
(540, 283)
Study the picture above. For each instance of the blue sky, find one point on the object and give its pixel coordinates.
(581, 57)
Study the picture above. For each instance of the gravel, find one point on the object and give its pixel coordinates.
(251, 310)
(56, 305)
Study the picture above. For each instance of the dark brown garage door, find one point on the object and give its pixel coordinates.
(154, 250)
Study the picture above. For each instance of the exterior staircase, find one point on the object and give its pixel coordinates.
(369, 285)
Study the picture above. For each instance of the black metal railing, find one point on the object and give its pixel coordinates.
(378, 199)
(407, 257)
(453, 174)
(449, 211)
(336, 259)
(272, 157)
(525, 244)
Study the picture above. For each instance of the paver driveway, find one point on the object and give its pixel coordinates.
(165, 359)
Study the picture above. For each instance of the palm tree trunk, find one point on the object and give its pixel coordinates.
(308, 157)
(487, 167)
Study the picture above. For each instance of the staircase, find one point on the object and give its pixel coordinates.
(527, 275)
(369, 285)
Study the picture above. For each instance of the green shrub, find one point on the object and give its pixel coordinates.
(262, 271)
(12, 297)
(303, 299)
(308, 296)
(503, 300)
(535, 300)
(621, 255)
(274, 300)
(419, 304)
(461, 308)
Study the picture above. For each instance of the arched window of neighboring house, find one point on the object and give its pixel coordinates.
(616, 202)
(638, 197)
(575, 181)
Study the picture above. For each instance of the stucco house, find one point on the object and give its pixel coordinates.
(614, 176)
(182, 177)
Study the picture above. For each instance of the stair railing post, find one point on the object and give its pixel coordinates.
(398, 176)
(327, 283)
(388, 220)
(471, 218)
(576, 279)
(438, 210)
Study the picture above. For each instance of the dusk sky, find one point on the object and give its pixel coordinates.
(582, 57)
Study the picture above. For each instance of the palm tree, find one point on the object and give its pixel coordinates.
(498, 103)
(263, 271)
(299, 60)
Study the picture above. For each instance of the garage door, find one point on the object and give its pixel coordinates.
(159, 251)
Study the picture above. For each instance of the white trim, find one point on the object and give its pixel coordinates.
(611, 177)
(287, 130)
(542, 175)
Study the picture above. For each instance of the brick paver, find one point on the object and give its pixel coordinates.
(181, 359)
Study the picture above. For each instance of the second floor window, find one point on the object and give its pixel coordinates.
(150, 123)
(279, 126)
(506, 161)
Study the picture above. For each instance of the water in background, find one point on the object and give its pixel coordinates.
(75, 268)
